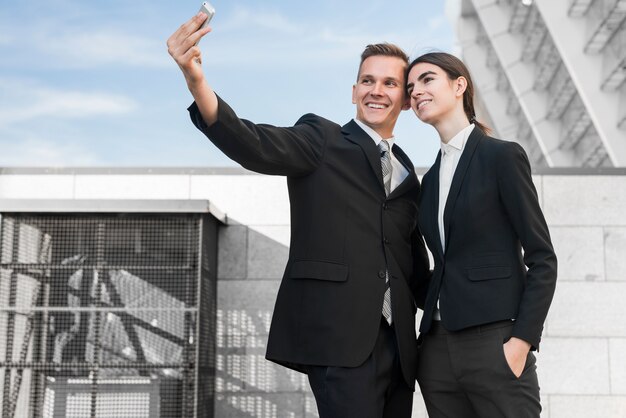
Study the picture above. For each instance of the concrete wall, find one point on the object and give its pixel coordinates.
(582, 363)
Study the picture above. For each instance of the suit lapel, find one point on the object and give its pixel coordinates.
(353, 133)
(411, 179)
(459, 176)
(434, 204)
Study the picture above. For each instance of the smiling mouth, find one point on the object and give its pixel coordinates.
(375, 106)
(422, 104)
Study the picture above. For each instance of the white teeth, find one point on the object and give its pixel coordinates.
(421, 104)
(375, 106)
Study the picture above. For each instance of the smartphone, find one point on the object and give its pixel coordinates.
(209, 10)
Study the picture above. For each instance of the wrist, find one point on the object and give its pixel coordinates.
(520, 344)
(195, 84)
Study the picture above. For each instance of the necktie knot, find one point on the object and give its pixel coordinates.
(383, 146)
(385, 162)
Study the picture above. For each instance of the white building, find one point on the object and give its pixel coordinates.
(550, 74)
(582, 363)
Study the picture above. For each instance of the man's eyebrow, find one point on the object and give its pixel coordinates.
(425, 74)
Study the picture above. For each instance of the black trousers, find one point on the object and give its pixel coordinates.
(374, 389)
(465, 374)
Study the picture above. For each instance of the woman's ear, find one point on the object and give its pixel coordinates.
(461, 86)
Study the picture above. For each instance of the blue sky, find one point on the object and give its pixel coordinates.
(90, 83)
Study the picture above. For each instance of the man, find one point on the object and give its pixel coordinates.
(345, 310)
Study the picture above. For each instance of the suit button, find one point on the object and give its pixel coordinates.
(381, 274)
(385, 206)
(385, 240)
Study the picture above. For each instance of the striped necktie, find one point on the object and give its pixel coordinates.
(385, 162)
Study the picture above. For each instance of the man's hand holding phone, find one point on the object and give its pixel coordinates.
(208, 10)
(183, 47)
(183, 44)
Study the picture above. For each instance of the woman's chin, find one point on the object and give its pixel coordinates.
(424, 117)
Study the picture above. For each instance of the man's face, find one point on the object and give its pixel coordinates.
(379, 93)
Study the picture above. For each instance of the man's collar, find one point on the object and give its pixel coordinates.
(373, 134)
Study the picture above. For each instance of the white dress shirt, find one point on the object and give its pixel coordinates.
(450, 156)
(398, 171)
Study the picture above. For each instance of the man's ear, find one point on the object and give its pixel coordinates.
(407, 104)
(353, 94)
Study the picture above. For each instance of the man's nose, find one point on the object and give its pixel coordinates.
(377, 89)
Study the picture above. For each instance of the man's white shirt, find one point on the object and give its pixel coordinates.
(398, 171)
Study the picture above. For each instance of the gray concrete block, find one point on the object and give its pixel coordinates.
(615, 251)
(246, 367)
(310, 407)
(545, 404)
(229, 373)
(248, 371)
(267, 257)
(131, 186)
(588, 310)
(281, 234)
(249, 199)
(21, 186)
(584, 200)
(245, 307)
(232, 252)
(587, 406)
(573, 366)
(274, 405)
(617, 361)
(580, 252)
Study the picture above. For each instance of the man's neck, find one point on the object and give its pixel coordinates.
(383, 133)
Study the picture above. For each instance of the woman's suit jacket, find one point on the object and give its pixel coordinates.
(498, 262)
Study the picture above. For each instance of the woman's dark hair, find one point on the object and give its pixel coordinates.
(454, 68)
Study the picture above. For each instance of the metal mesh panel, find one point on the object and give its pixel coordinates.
(100, 315)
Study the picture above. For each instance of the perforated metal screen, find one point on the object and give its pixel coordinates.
(107, 315)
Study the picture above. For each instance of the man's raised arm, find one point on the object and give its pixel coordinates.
(182, 47)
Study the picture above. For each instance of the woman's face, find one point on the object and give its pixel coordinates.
(433, 95)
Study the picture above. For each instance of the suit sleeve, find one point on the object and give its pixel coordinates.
(520, 201)
(293, 151)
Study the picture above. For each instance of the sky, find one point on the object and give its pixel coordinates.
(90, 83)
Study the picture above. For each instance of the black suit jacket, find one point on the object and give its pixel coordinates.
(344, 233)
(491, 214)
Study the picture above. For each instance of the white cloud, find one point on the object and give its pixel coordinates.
(52, 43)
(247, 18)
(27, 101)
(93, 48)
(436, 22)
(35, 152)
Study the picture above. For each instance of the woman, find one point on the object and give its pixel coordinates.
(487, 301)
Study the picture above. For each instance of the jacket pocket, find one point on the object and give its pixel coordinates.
(318, 270)
(489, 273)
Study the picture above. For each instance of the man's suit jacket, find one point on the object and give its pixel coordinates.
(344, 233)
(491, 214)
